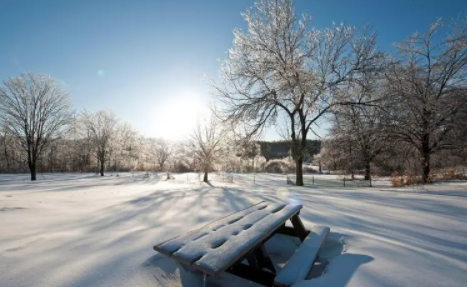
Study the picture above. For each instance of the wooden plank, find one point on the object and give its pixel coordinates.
(164, 247)
(300, 264)
(157, 246)
(218, 245)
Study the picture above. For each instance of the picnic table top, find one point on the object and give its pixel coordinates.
(216, 246)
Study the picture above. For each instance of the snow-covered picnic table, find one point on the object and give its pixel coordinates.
(223, 244)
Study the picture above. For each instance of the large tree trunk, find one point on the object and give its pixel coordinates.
(299, 171)
(205, 176)
(426, 155)
(367, 170)
(352, 171)
(426, 167)
(102, 167)
(32, 164)
(32, 168)
(300, 147)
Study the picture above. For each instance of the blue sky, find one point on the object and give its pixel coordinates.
(146, 59)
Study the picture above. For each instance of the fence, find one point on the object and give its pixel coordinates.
(331, 182)
(198, 177)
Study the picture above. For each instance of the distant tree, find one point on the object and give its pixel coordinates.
(124, 147)
(459, 136)
(6, 145)
(428, 84)
(248, 150)
(339, 153)
(206, 145)
(100, 128)
(360, 128)
(34, 110)
(160, 151)
(79, 144)
(282, 67)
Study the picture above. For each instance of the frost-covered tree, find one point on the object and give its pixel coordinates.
(6, 150)
(100, 128)
(358, 130)
(248, 150)
(206, 145)
(125, 147)
(282, 67)
(460, 136)
(428, 85)
(34, 110)
(160, 151)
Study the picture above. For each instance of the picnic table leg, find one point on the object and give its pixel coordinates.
(257, 260)
(252, 260)
(299, 227)
(263, 258)
(249, 273)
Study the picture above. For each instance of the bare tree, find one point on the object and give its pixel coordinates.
(100, 128)
(428, 85)
(206, 145)
(34, 109)
(124, 146)
(160, 151)
(6, 144)
(282, 67)
(459, 136)
(360, 128)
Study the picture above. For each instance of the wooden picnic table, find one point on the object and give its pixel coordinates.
(223, 245)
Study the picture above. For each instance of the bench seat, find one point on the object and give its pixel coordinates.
(299, 265)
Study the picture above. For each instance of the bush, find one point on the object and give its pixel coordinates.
(407, 179)
(279, 166)
(309, 169)
(182, 167)
(452, 174)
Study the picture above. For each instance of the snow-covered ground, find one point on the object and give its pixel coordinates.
(84, 230)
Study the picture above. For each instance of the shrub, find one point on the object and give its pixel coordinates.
(182, 167)
(279, 166)
(309, 169)
(407, 179)
(452, 174)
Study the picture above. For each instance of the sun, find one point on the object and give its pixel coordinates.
(181, 114)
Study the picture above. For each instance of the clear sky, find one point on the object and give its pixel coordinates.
(146, 59)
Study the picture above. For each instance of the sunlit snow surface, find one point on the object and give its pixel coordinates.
(84, 230)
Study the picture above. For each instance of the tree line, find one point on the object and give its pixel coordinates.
(40, 132)
(401, 111)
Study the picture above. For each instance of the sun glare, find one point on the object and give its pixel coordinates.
(181, 114)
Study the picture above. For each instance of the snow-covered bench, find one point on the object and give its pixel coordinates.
(223, 245)
(300, 264)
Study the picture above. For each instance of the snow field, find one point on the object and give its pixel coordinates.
(84, 230)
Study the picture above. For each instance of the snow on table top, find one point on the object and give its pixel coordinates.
(216, 246)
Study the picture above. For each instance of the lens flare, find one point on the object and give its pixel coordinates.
(100, 73)
(284, 194)
(294, 198)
